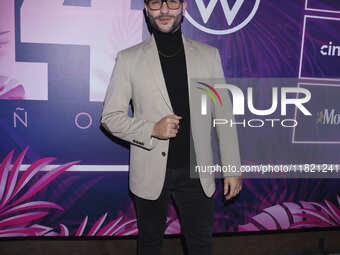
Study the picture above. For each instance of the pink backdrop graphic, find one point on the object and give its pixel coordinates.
(61, 175)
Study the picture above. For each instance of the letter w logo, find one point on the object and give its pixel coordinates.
(230, 14)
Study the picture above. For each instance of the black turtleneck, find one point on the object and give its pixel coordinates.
(172, 57)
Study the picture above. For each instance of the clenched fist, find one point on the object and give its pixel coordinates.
(167, 127)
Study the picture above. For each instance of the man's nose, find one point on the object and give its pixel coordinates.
(164, 7)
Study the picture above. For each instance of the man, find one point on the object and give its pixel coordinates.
(156, 75)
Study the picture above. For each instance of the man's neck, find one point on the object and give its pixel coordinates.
(168, 42)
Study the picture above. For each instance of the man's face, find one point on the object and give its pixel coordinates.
(165, 19)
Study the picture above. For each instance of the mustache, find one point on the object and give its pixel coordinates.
(164, 16)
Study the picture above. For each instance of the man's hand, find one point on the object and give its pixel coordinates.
(167, 127)
(235, 186)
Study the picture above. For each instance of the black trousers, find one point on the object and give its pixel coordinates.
(196, 212)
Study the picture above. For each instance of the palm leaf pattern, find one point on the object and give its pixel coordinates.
(117, 226)
(16, 212)
(289, 215)
(323, 215)
(11, 89)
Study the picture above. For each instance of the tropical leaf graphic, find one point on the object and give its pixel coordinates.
(327, 215)
(260, 194)
(117, 226)
(4, 38)
(172, 226)
(16, 212)
(289, 215)
(11, 89)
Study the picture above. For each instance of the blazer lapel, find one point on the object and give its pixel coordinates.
(193, 71)
(154, 64)
(190, 62)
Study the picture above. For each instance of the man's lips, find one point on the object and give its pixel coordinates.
(164, 19)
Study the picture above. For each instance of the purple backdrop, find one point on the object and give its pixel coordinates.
(56, 58)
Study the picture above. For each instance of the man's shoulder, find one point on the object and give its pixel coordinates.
(135, 48)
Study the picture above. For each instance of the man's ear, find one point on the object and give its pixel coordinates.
(184, 6)
(146, 9)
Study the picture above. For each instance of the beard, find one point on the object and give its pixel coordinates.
(177, 20)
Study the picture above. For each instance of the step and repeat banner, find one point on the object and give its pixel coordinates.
(62, 175)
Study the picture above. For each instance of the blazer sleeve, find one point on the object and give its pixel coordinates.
(227, 136)
(115, 117)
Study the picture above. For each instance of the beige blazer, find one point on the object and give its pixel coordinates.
(138, 76)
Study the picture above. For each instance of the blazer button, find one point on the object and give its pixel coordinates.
(163, 154)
